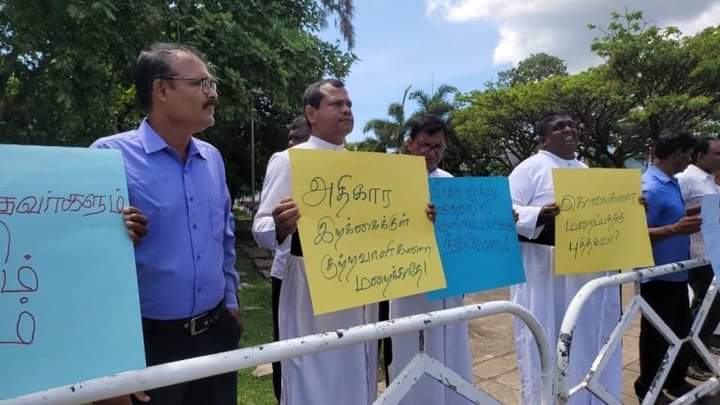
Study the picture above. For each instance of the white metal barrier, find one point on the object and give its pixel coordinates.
(637, 304)
(205, 366)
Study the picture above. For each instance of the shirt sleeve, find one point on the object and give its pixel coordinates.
(280, 262)
(276, 187)
(232, 278)
(686, 187)
(654, 208)
(521, 193)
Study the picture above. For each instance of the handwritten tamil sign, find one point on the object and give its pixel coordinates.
(476, 234)
(69, 307)
(710, 228)
(363, 228)
(601, 225)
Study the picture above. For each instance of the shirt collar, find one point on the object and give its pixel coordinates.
(556, 157)
(322, 144)
(660, 175)
(152, 141)
(698, 172)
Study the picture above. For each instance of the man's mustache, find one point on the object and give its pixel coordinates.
(209, 103)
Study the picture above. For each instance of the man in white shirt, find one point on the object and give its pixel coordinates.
(342, 376)
(696, 181)
(544, 294)
(448, 344)
(298, 132)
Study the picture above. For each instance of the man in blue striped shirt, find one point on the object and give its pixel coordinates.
(186, 262)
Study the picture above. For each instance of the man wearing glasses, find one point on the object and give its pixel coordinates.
(545, 294)
(185, 263)
(448, 344)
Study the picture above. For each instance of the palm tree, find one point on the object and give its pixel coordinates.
(435, 103)
(343, 9)
(390, 132)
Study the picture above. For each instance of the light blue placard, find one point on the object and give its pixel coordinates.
(69, 308)
(711, 230)
(476, 234)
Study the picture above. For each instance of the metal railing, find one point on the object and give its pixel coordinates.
(637, 304)
(205, 366)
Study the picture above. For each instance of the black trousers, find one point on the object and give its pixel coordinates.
(670, 301)
(699, 280)
(385, 345)
(217, 390)
(276, 285)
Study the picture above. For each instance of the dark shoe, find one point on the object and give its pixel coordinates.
(699, 373)
(680, 390)
(662, 399)
(714, 350)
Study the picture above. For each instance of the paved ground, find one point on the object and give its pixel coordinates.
(495, 365)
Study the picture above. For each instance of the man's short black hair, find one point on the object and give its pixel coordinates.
(702, 146)
(542, 126)
(428, 123)
(154, 62)
(670, 142)
(298, 123)
(313, 95)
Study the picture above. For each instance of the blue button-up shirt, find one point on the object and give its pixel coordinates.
(186, 262)
(665, 206)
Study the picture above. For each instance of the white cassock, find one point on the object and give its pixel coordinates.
(547, 296)
(341, 376)
(448, 344)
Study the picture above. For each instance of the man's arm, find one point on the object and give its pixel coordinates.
(135, 221)
(653, 210)
(276, 188)
(685, 226)
(232, 279)
(521, 193)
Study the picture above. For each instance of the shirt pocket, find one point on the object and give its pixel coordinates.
(217, 217)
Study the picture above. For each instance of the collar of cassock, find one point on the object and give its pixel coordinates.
(321, 144)
(561, 161)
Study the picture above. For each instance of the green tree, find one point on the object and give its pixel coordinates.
(66, 68)
(436, 103)
(537, 67)
(389, 132)
(659, 68)
(343, 10)
(653, 79)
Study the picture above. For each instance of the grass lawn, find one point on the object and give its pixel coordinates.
(257, 317)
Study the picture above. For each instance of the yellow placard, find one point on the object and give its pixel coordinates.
(363, 229)
(601, 225)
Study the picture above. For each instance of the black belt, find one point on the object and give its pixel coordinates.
(189, 326)
(295, 247)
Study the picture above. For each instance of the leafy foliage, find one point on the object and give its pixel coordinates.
(653, 79)
(66, 67)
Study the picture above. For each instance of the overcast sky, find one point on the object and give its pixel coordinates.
(465, 43)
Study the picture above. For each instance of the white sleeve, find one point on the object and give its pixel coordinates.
(685, 183)
(280, 259)
(276, 187)
(522, 192)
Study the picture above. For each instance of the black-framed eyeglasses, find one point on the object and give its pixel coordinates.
(423, 147)
(207, 84)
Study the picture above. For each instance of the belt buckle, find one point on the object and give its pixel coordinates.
(194, 330)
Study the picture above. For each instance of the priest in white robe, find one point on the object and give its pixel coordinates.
(448, 344)
(546, 295)
(341, 376)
